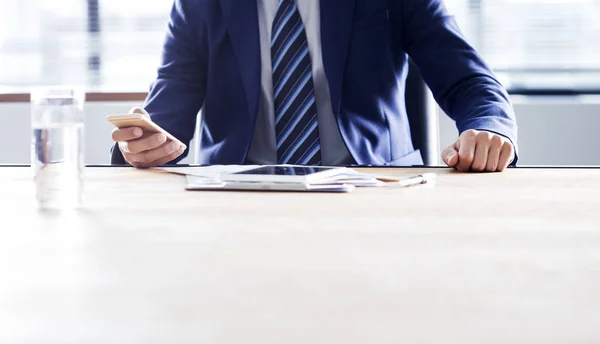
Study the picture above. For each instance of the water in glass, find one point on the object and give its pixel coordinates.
(57, 147)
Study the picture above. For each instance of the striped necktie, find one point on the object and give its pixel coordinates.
(296, 123)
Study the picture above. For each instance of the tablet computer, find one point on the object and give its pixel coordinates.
(283, 174)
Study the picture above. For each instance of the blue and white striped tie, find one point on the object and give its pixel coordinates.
(296, 122)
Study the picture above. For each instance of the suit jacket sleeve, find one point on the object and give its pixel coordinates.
(462, 84)
(177, 94)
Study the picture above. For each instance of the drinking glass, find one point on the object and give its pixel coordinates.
(57, 146)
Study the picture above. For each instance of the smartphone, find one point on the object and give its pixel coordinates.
(141, 121)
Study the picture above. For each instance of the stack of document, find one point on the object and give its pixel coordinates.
(210, 178)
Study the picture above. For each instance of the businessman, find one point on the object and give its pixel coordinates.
(317, 82)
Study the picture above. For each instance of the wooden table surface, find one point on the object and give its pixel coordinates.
(476, 258)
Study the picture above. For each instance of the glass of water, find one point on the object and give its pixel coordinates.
(57, 146)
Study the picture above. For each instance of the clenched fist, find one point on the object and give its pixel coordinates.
(479, 151)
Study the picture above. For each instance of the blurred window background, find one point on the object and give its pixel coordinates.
(536, 45)
(107, 45)
(533, 45)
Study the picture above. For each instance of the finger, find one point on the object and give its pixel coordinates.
(150, 156)
(466, 153)
(146, 143)
(494, 154)
(481, 156)
(483, 142)
(163, 160)
(450, 156)
(507, 155)
(126, 134)
(126, 155)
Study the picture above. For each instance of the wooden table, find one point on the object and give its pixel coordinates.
(477, 258)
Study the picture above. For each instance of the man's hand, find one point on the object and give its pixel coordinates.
(146, 150)
(479, 151)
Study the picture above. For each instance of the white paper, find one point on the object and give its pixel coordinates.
(352, 178)
(209, 172)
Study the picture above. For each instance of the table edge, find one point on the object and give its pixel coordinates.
(548, 167)
(89, 97)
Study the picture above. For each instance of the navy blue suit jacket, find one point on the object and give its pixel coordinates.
(211, 61)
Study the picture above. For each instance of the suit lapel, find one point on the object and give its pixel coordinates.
(241, 18)
(336, 30)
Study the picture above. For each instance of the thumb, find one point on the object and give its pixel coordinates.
(450, 156)
(140, 110)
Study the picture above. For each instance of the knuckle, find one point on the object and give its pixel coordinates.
(470, 133)
(496, 140)
(483, 137)
(466, 157)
